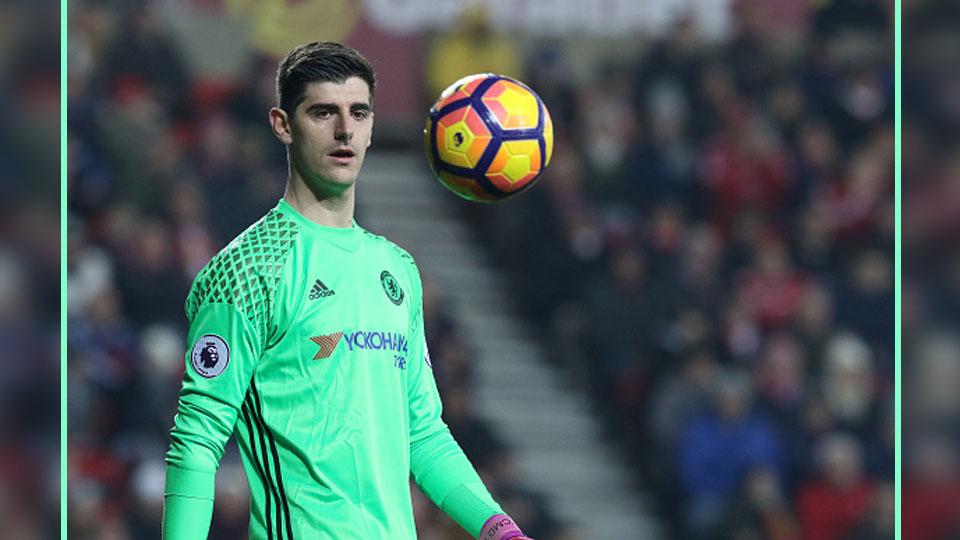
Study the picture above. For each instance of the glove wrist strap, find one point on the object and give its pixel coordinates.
(499, 527)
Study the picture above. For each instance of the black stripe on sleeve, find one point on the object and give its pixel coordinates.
(261, 461)
(276, 458)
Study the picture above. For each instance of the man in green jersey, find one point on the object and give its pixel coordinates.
(306, 342)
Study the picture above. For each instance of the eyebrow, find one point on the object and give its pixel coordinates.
(357, 106)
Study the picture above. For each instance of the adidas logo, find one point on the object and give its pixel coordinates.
(320, 290)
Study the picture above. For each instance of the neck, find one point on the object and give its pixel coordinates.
(327, 210)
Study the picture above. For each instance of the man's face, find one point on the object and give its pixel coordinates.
(329, 133)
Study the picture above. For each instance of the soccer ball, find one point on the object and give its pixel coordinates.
(488, 137)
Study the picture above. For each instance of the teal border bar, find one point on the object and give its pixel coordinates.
(63, 269)
(897, 247)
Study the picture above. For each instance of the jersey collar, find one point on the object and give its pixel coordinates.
(348, 238)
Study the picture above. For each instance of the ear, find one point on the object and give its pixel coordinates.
(370, 138)
(280, 123)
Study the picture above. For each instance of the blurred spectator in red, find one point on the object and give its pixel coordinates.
(831, 504)
(745, 168)
(931, 492)
(772, 290)
(879, 523)
(852, 206)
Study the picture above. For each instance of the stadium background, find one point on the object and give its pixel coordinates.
(709, 257)
(29, 269)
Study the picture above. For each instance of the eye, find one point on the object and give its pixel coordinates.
(361, 114)
(322, 113)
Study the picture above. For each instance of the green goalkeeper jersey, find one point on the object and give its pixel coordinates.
(306, 342)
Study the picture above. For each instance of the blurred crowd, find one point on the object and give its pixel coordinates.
(931, 285)
(29, 270)
(710, 254)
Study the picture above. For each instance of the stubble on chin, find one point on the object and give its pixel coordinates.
(328, 185)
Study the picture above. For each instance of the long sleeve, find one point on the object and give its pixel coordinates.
(444, 473)
(223, 348)
(438, 464)
(186, 516)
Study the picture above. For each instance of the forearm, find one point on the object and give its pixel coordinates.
(447, 477)
(187, 504)
(192, 461)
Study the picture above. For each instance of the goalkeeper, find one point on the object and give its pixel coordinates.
(306, 342)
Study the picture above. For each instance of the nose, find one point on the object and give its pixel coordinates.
(343, 130)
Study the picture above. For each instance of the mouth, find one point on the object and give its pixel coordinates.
(343, 155)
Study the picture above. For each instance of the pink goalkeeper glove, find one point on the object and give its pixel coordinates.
(501, 527)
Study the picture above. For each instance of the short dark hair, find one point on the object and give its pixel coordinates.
(320, 61)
